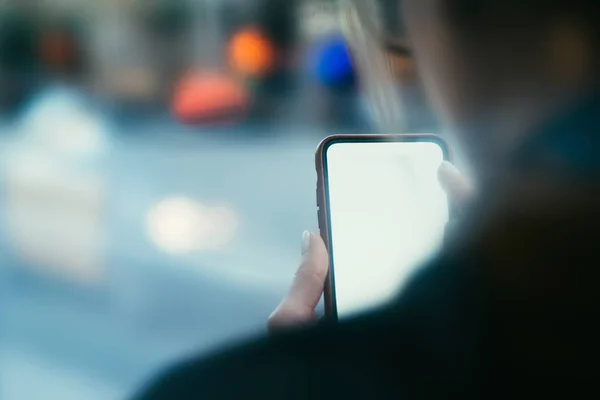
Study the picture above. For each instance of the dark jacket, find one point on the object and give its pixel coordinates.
(510, 307)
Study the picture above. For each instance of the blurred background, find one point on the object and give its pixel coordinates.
(156, 174)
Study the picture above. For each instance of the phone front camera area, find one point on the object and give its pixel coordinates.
(386, 217)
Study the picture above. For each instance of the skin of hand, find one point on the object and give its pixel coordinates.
(298, 306)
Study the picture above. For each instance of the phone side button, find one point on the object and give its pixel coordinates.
(318, 197)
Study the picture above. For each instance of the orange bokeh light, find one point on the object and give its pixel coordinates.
(209, 96)
(250, 53)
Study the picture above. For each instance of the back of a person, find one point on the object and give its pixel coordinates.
(510, 306)
(510, 310)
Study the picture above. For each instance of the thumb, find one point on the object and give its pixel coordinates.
(457, 187)
(298, 307)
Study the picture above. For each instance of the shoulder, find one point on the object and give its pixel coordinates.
(291, 365)
(354, 359)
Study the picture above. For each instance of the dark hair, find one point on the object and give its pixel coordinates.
(513, 34)
(521, 18)
(487, 21)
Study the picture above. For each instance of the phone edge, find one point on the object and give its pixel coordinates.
(321, 194)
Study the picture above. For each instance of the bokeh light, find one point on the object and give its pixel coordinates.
(251, 54)
(209, 96)
(331, 63)
(181, 225)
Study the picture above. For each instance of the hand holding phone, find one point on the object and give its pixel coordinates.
(382, 214)
(297, 308)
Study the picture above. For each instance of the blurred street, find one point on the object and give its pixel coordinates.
(155, 306)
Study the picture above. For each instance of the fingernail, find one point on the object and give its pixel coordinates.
(306, 241)
(447, 168)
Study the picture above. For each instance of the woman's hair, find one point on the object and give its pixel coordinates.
(516, 35)
(520, 18)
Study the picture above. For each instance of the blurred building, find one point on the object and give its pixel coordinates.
(131, 55)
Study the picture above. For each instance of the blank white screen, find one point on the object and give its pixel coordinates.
(387, 217)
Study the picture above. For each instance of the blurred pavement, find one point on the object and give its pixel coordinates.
(153, 306)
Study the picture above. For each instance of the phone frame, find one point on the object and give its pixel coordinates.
(323, 193)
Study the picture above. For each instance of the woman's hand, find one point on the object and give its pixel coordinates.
(298, 307)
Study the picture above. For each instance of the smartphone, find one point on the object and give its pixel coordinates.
(382, 213)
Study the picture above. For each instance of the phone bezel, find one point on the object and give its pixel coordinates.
(323, 192)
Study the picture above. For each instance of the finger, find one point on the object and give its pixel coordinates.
(306, 290)
(308, 284)
(456, 186)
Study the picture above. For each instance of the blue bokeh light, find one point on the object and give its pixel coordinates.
(332, 64)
